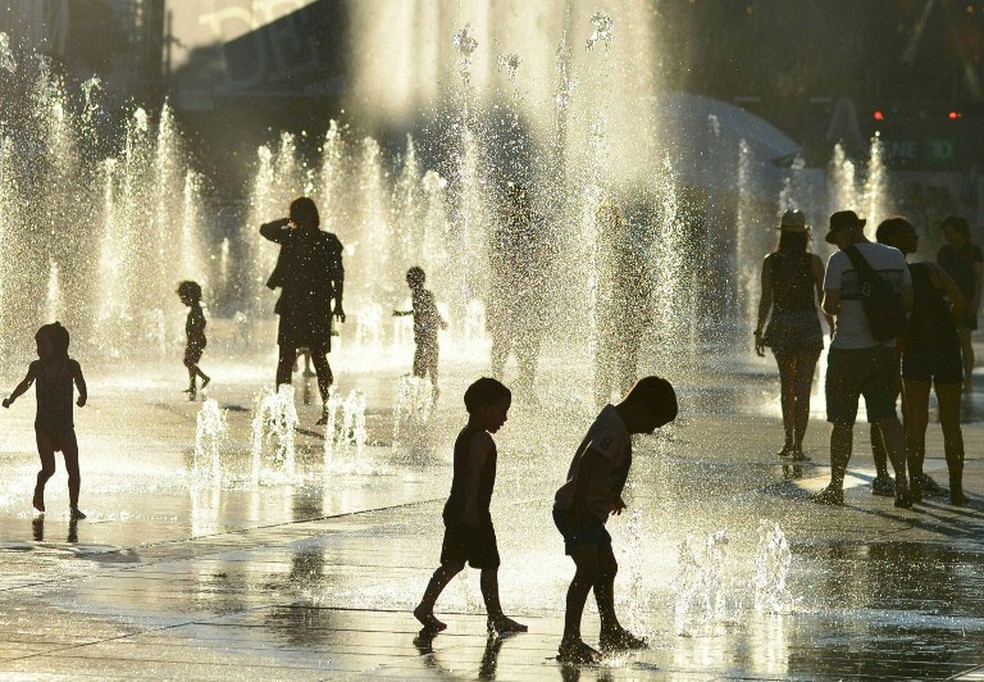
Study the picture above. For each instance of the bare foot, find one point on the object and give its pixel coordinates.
(428, 619)
(504, 624)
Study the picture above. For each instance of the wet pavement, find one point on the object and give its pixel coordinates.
(724, 564)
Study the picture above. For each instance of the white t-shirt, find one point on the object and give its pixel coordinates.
(852, 329)
(609, 437)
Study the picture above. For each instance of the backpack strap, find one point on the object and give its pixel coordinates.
(861, 263)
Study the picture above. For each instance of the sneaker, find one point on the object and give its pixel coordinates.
(621, 640)
(903, 500)
(504, 625)
(830, 495)
(798, 455)
(76, 514)
(883, 485)
(576, 651)
(931, 488)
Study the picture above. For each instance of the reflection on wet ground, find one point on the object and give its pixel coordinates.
(724, 564)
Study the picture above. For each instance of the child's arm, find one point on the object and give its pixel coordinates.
(402, 313)
(21, 387)
(478, 452)
(79, 384)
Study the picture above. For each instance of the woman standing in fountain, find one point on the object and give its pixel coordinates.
(310, 276)
(964, 262)
(792, 283)
(54, 424)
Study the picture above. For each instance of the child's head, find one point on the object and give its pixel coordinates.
(189, 292)
(652, 403)
(487, 401)
(52, 340)
(898, 232)
(304, 213)
(415, 277)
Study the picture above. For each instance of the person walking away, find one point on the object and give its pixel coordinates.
(858, 363)
(792, 283)
(964, 262)
(930, 358)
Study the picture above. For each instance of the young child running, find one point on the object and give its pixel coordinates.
(190, 294)
(54, 426)
(426, 320)
(468, 532)
(582, 505)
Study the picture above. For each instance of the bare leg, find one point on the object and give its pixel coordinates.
(425, 609)
(805, 367)
(285, 365)
(585, 576)
(917, 410)
(500, 353)
(604, 589)
(46, 451)
(498, 621)
(787, 397)
(948, 396)
(894, 437)
(70, 449)
(967, 352)
(841, 443)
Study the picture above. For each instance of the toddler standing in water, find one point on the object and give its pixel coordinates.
(426, 320)
(190, 294)
(54, 425)
(468, 532)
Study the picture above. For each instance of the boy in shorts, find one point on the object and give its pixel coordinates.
(582, 505)
(426, 321)
(468, 532)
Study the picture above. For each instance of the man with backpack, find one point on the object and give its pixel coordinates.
(867, 287)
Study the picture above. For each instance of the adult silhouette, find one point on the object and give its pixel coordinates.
(310, 277)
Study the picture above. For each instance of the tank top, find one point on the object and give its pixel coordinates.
(455, 506)
(54, 395)
(930, 324)
(792, 283)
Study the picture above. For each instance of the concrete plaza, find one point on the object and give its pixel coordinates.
(725, 565)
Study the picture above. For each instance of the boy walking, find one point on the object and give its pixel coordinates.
(593, 490)
(426, 320)
(468, 531)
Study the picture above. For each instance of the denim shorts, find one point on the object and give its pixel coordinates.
(591, 531)
(852, 372)
(944, 365)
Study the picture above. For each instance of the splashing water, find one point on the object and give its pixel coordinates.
(347, 435)
(274, 420)
(701, 598)
(772, 566)
(7, 61)
(414, 404)
(211, 428)
(510, 63)
(602, 31)
(463, 42)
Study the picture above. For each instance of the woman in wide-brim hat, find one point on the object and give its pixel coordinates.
(792, 286)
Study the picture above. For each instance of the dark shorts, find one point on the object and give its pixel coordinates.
(944, 365)
(468, 544)
(425, 358)
(193, 353)
(592, 531)
(853, 372)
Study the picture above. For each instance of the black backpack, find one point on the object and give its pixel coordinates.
(882, 305)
